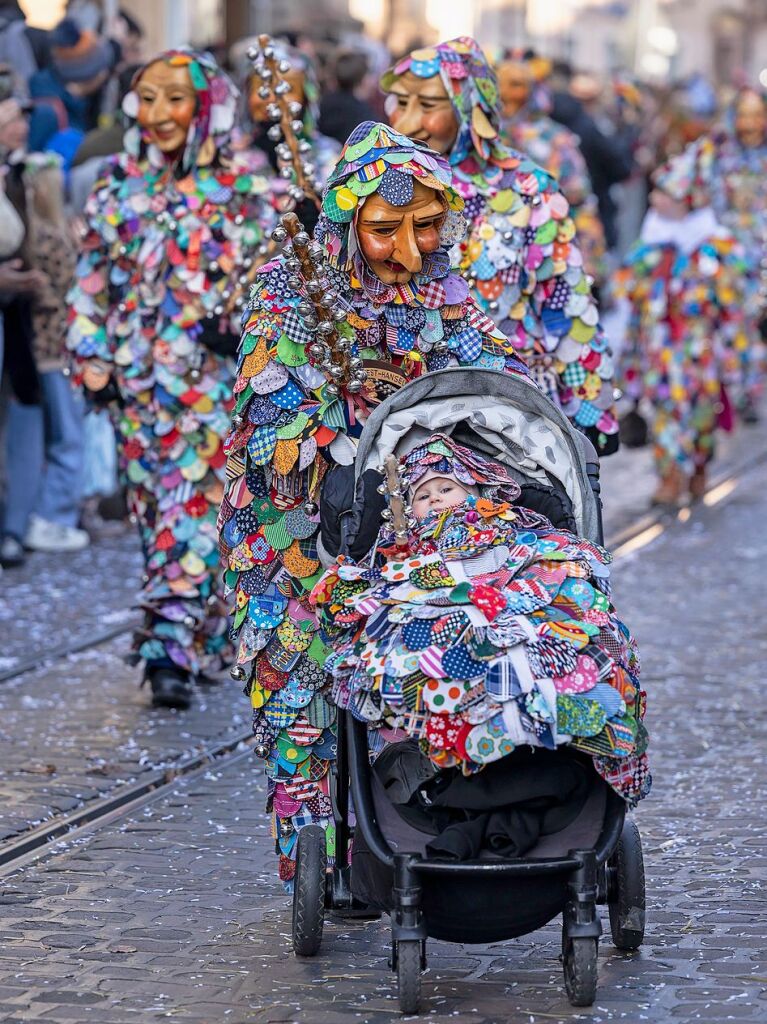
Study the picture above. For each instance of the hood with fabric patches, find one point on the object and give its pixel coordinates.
(378, 159)
(687, 177)
(214, 119)
(473, 90)
(441, 456)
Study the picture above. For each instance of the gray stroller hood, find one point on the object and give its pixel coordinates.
(499, 415)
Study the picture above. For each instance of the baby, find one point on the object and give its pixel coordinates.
(492, 630)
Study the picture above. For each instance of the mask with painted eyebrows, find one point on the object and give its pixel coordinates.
(395, 239)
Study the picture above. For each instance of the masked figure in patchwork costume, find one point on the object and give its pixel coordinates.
(389, 220)
(525, 105)
(174, 226)
(738, 183)
(304, 92)
(521, 257)
(492, 630)
(684, 283)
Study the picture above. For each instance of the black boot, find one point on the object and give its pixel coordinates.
(171, 687)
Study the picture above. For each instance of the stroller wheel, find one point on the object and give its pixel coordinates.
(309, 890)
(626, 889)
(579, 962)
(409, 957)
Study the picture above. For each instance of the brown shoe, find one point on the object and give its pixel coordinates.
(671, 487)
(698, 483)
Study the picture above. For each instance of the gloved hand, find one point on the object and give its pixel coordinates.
(358, 517)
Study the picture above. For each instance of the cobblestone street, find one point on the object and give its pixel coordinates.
(173, 912)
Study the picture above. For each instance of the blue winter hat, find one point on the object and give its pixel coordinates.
(79, 54)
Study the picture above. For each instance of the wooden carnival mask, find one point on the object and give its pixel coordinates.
(394, 239)
(513, 86)
(167, 105)
(257, 105)
(751, 119)
(421, 109)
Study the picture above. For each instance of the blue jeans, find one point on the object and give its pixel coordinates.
(44, 457)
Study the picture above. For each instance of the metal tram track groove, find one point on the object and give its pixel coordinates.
(42, 839)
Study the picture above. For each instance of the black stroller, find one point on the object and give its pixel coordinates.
(381, 861)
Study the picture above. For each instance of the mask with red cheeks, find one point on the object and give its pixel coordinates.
(394, 239)
(751, 119)
(421, 109)
(167, 105)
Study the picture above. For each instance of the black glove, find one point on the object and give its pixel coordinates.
(347, 518)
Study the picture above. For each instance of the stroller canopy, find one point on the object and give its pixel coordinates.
(499, 415)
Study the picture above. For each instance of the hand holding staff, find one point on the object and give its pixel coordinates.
(292, 152)
(320, 310)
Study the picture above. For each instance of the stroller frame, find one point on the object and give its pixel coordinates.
(611, 872)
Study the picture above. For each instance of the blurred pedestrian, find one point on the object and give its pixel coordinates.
(173, 226)
(67, 94)
(608, 157)
(342, 109)
(683, 282)
(44, 442)
(24, 48)
(446, 96)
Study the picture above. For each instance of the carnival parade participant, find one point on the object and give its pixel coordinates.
(684, 281)
(389, 218)
(299, 88)
(484, 629)
(521, 257)
(525, 105)
(175, 225)
(739, 197)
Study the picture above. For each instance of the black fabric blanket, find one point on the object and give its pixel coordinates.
(502, 810)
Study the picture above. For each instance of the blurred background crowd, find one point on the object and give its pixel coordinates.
(614, 87)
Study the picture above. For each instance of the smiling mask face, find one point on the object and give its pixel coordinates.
(395, 239)
(421, 109)
(167, 105)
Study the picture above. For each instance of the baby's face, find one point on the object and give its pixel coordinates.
(439, 493)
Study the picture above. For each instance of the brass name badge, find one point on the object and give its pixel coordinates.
(383, 379)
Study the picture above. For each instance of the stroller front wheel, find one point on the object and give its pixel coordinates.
(309, 890)
(409, 959)
(579, 962)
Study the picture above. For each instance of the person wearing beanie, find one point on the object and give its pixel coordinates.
(66, 95)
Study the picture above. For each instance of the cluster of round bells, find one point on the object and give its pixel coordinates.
(268, 66)
(321, 311)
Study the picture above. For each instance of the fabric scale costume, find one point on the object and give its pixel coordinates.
(684, 281)
(160, 284)
(291, 425)
(521, 257)
(491, 629)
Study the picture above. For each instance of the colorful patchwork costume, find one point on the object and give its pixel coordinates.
(491, 630)
(521, 257)
(159, 284)
(290, 426)
(532, 131)
(684, 281)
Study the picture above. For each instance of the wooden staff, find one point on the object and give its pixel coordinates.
(320, 310)
(285, 114)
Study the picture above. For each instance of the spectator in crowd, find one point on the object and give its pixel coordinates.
(67, 94)
(44, 426)
(607, 157)
(24, 48)
(342, 109)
